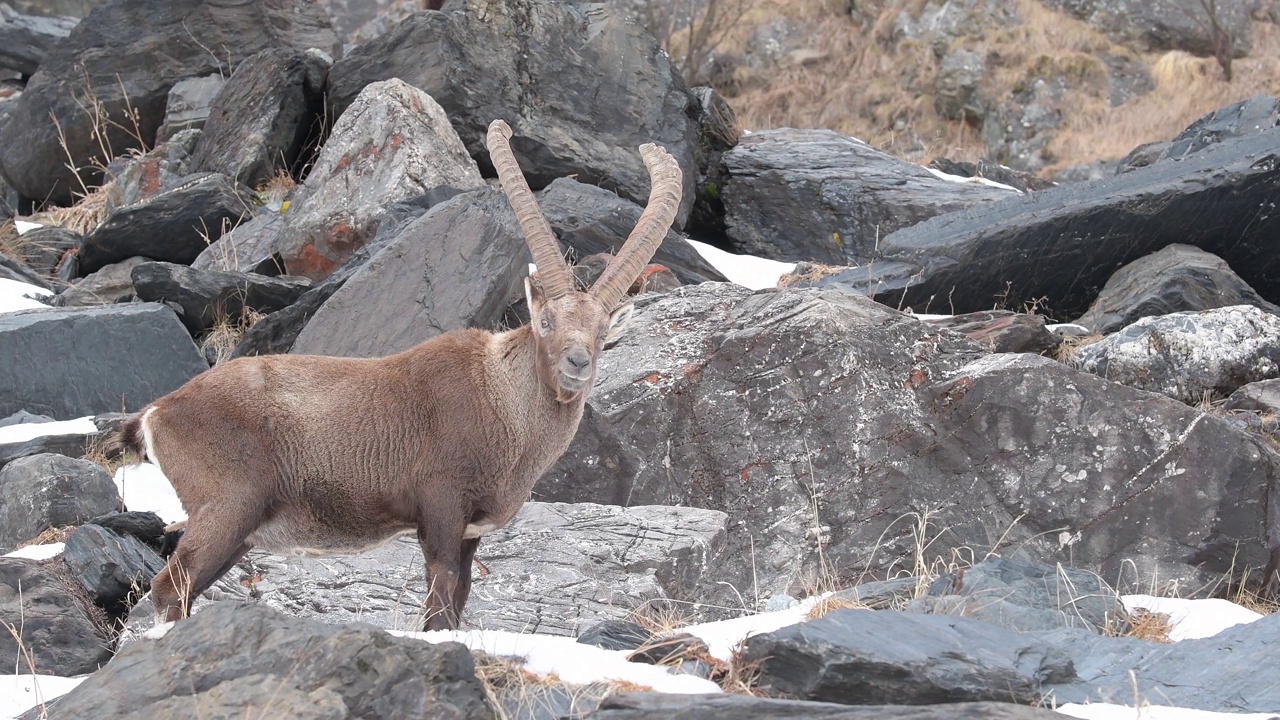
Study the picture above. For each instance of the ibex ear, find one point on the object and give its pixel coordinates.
(618, 320)
(533, 294)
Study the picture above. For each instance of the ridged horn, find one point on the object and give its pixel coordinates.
(666, 185)
(552, 270)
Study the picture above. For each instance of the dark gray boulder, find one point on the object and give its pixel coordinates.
(110, 59)
(818, 195)
(845, 657)
(26, 39)
(72, 362)
(838, 424)
(1246, 117)
(115, 570)
(52, 618)
(250, 246)
(965, 260)
(616, 635)
(1176, 278)
(582, 86)
(261, 120)
(662, 706)
(211, 663)
(1159, 25)
(1002, 330)
(1262, 396)
(49, 490)
(209, 296)
(1190, 356)
(73, 445)
(188, 105)
(134, 180)
(43, 248)
(174, 225)
(15, 269)
(107, 285)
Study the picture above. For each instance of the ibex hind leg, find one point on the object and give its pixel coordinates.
(441, 543)
(209, 548)
(463, 590)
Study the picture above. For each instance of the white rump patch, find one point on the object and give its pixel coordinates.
(475, 530)
(148, 438)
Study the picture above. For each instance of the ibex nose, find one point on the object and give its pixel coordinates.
(578, 359)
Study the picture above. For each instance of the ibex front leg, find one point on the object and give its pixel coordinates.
(441, 541)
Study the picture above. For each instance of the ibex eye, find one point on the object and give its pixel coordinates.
(546, 325)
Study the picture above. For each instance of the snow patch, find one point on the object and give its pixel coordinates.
(25, 227)
(23, 432)
(19, 693)
(971, 180)
(1107, 711)
(15, 296)
(38, 552)
(748, 271)
(723, 636)
(1191, 619)
(158, 631)
(143, 487)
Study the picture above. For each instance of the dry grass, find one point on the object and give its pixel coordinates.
(1071, 344)
(662, 617)
(84, 216)
(275, 191)
(809, 272)
(1146, 625)
(227, 332)
(50, 535)
(11, 243)
(832, 603)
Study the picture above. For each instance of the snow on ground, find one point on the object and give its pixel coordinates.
(143, 487)
(16, 296)
(745, 270)
(971, 180)
(569, 660)
(1106, 711)
(38, 552)
(23, 432)
(722, 637)
(1191, 619)
(25, 227)
(19, 693)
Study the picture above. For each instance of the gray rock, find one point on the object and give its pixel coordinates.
(187, 107)
(955, 94)
(15, 269)
(22, 417)
(1262, 396)
(43, 491)
(172, 226)
(457, 266)
(51, 617)
(942, 22)
(582, 86)
(1247, 117)
(250, 245)
(111, 58)
(115, 570)
(616, 635)
(26, 39)
(1091, 229)
(134, 180)
(43, 248)
(662, 706)
(72, 445)
(1003, 330)
(392, 143)
(1019, 179)
(261, 120)
(1017, 131)
(818, 195)
(1173, 279)
(208, 296)
(212, 661)
(844, 657)
(1159, 25)
(881, 594)
(72, 362)
(763, 404)
(1190, 356)
(1128, 78)
(989, 610)
(106, 285)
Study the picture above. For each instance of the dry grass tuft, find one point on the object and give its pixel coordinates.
(830, 604)
(83, 217)
(50, 535)
(227, 333)
(274, 191)
(662, 617)
(1071, 344)
(1146, 625)
(739, 676)
(809, 272)
(11, 243)
(96, 452)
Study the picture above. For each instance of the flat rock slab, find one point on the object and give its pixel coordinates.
(72, 362)
(662, 706)
(50, 616)
(210, 296)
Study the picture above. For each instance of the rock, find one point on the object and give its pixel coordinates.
(942, 23)
(881, 594)
(115, 570)
(110, 59)
(72, 362)
(1176, 278)
(22, 417)
(253, 243)
(817, 195)
(457, 266)
(995, 172)
(673, 649)
(261, 121)
(763, 404)
(1128, 78)
(207, 297)
(956, 88)
(44, 491)
(1091, 229)
(14, 269)
(26, 39)
(104, 286)
(603, 87)
(173, 226)
(1160, 25)
(1247, 117)
(1003, 330)
(392, 143)
(1262, 396)
(44, 248)
(663, 706)
(718, 131)
(1190, 356)
(73, 445)
(843, 657)
(593, 220)
(1017, 131)
(51, 616)
(616, 635)
(319, 671)
(1066, 596)
(146, 527)
(187, 107)
(137, 179)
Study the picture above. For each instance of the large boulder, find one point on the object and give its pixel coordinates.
(188, 105)
(818, 195)
(72, 362)
(1246, 117)
(827, 426)
(582, 86)
(392, 143)
(73, 445)
(48, 490)
(1190, 356)
(26, 39)
(207, 297)
(262, 118)
(669, 706)
(234, 660)
(114, 569)
(56, 630)
(970, 258)
(107, 285)
(101, 92)
(1173, 279)
(1158, 25)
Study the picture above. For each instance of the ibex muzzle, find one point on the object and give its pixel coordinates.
(325, 455)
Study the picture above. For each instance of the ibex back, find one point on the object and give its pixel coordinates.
(326, 455)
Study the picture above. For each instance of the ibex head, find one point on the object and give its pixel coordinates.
(571, 327)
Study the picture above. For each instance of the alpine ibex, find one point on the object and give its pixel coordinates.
(326, 455)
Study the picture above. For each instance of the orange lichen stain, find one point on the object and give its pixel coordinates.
(746, 471)
(653, 379)
(150, 183)
(310, 263)
(915, 379)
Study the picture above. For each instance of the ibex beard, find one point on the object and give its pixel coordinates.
(323, 455)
